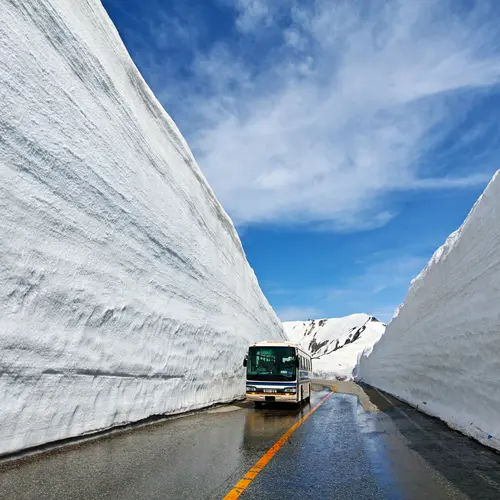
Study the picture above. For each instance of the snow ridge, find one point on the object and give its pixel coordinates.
(335, 342)
(125, 291)
(441, 351)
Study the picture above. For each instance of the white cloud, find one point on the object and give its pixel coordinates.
(342, 112)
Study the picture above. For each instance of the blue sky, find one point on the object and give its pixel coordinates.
(345, 139)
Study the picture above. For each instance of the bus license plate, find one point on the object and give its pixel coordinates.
(270, 390)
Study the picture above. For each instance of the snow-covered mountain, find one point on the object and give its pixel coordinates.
(336, 342)
(442, 350)
(124, 288)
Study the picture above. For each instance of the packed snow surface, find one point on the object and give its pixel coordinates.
(442, 350)
(336, 342)
(125, 291)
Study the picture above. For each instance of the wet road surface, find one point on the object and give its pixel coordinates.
(341, 451)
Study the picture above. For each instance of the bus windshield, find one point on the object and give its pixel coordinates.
(271, 363)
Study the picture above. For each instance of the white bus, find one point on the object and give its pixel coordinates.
(277, 372)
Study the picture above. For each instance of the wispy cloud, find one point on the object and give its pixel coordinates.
(342, 109)
(253, 14)
(451, 183)
(375, 278)
(298, 313)
(375, 286)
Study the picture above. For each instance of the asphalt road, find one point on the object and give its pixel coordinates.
(340, 451)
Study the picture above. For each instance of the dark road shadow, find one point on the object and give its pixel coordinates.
(468, 465)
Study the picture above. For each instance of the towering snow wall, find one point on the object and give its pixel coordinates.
(124, 288)
(442, 350)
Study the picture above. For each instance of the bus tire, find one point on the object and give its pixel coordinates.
(257, 404)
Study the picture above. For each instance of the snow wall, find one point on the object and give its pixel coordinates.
(124, 288)
(442, 349)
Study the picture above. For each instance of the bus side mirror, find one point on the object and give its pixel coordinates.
(245, 362)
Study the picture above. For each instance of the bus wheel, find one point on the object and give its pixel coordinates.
(258, 404)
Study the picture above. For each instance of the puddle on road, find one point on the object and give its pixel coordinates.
(224, 409)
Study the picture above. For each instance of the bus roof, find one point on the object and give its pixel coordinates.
(278, 343)
(275, 343)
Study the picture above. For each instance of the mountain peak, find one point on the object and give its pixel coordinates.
(335, 343)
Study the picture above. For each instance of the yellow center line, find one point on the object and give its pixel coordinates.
(244, 483)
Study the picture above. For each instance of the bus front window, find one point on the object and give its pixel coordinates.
(271, 363)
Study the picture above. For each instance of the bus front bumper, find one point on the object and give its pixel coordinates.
(272, 397)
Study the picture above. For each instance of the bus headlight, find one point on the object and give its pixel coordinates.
(290, 389)
(251, 388)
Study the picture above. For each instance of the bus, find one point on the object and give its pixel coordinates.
(277, 372)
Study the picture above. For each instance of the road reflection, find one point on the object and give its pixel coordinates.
(271, 420)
